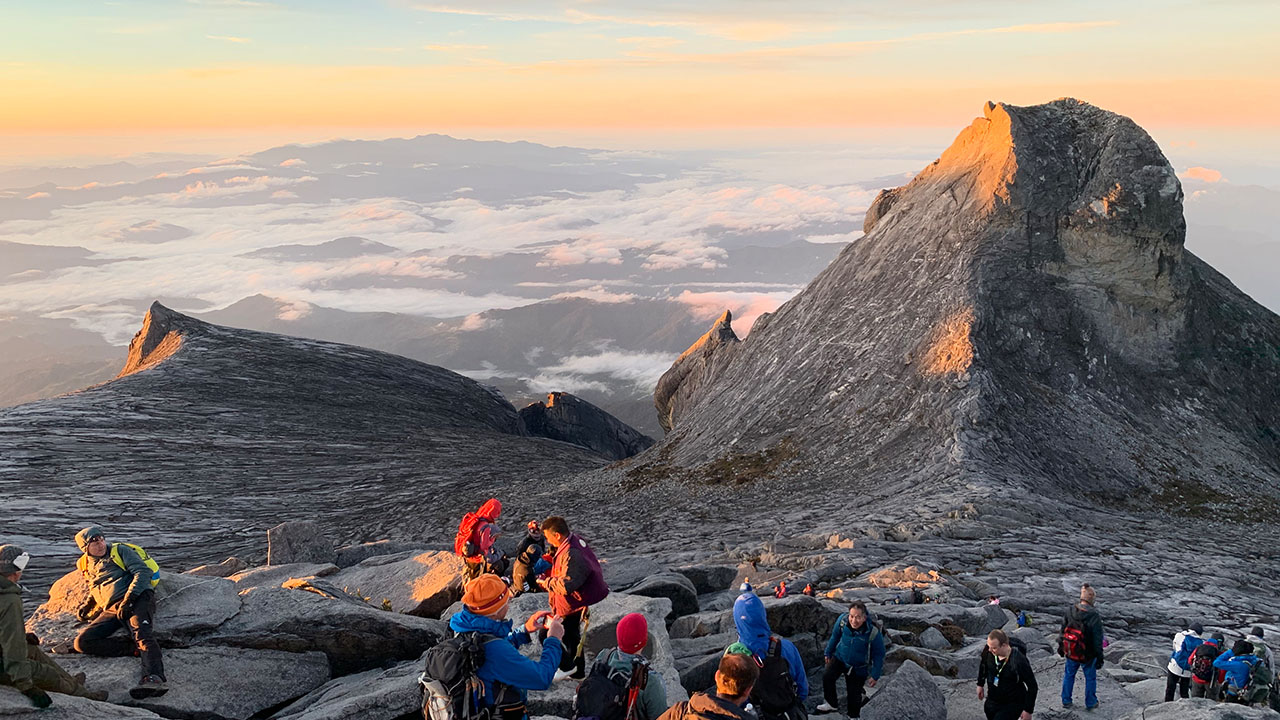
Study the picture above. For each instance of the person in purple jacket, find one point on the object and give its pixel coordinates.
(576, 583)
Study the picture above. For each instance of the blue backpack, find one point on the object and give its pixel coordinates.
(1183, 655)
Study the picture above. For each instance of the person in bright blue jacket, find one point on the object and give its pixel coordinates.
(773, 689)
(856, 651)
(1236, 663)
(507, 674)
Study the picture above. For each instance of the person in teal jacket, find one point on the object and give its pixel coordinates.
(856, 651)
(1236, 663)
(507, 674)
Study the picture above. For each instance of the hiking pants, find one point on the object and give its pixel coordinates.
(1199, 689)
(853, 684)
(100, 638)
(996, 711)
(573, 657)
(48, 675)
(1090, 668)
(1178, 682)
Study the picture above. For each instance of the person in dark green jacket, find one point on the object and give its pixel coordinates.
(856, 651)
(23, 665)
(120, 597)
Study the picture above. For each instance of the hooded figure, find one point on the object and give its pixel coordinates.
(754, 635)
(476, 541)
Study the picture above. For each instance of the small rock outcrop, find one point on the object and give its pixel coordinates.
(571, 419)
(909, 694)
(299, 541)
(690, 372)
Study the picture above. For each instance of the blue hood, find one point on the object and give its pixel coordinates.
(753, 626)
(466, 621)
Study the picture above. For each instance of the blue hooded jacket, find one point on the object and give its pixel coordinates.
(754, 632)
(502, 661)
(850, 647)
(1237, 668)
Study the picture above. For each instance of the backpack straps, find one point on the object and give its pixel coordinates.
(775, 646)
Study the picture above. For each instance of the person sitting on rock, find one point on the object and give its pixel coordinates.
(648, 698)
(1205, 678)
(781, 590)
(808, 590)
(529, 564)
(1006, 682)
(1237, 663)
(576, 583)
(476, 542)
(856, 651)
(23, 665)
(783, 687)
(1080, 642)
(120, 598)
(507, 674)
(735, 679)
(1178, 671)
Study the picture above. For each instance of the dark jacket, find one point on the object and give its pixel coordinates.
(705, 706)
(576, 579)
(853, 647)
(1092, 622)
(652, 700)
(503, 662)
(109, 583)
(13, 638)
(1011, 683)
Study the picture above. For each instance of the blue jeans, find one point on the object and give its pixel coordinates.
(1090, 668)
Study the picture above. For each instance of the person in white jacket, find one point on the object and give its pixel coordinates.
(1179, 671)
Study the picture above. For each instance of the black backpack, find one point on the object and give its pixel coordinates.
(775, 692)
(1201, 662)
(608, 693)
(451, 689)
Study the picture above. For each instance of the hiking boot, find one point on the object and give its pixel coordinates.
(98, 695)
(79, 678)
(149, 686)
(824, 708)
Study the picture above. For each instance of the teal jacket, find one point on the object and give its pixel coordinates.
(109, 583)
(652, 701)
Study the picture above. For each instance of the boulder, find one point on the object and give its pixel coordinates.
(797, 614)
(624, 571)
(710, 578)
(299, 542)
(981, 620)
(936, 662)
(915, 618)
(277, 575)
(421, 584)
(709, 622)
(210, 682)
(352, 634)
(1199, 709)
(186, 606)
(356, 554)
(673, 586)
(910, 693)
(14, 704)
(370, 695)
(698, 674)
(704, 645)
(226, 568)
(933, 639)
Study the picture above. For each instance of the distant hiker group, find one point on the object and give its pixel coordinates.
(1200, 666)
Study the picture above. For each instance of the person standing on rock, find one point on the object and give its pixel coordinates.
(476, 542)
(735, 678)
(1006, 684)
(576, 583)
(855, 651)
(1179, 670)
(506, 673)
(1204, 676)
(529, 564)
(1080, 642)
(121, 597)
(1237, 663)
(23, 665)
(783, 687)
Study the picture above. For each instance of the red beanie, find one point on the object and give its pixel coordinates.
(633, 633)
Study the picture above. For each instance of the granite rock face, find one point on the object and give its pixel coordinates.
(571, 419)
(693, 370)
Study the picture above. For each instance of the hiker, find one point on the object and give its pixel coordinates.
(1006, 682)
(808, 590)
(856, 651)
(529, 564)
(121, 579)
(781, 590)
(622, 674)
(1185, 643)
(1238, 664)
(1080, 642)
(1205, 678)
(782, 689)
(576, 583)
(475, 542)
(506, 673)
(23, 665)
(735, 678)
(1255, 638)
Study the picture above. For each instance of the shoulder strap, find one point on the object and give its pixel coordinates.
(775, 646)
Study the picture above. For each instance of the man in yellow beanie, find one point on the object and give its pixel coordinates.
(506, 673)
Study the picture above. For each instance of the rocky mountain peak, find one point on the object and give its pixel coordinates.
(157, 339)
(571, 419)
(689, 370)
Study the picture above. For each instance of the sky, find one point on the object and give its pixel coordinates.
(121, 77)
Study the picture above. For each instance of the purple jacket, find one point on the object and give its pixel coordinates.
(576, 578)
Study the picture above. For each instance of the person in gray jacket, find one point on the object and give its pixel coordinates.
(120, 597)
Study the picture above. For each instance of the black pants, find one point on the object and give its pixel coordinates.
(1181, 684)
(575, 624)
(100, 637)
(996, 711)
(853, 683)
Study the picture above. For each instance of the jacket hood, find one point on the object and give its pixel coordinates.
(8, 587)
(82, 537)
(466, 621)
(752, 623)
(491, 509)
(708, 705)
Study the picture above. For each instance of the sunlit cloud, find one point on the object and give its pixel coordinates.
(229, 38)
(1202, 174)
(746, 307)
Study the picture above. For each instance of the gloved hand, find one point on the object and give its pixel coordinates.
(38, 697)
(32, 639)
(86, 612)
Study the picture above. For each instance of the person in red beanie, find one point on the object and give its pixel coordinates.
(649, 699)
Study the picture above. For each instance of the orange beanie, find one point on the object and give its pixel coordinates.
(486, 595)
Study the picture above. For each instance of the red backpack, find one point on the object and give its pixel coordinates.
(1073, 643)
(464, 545)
